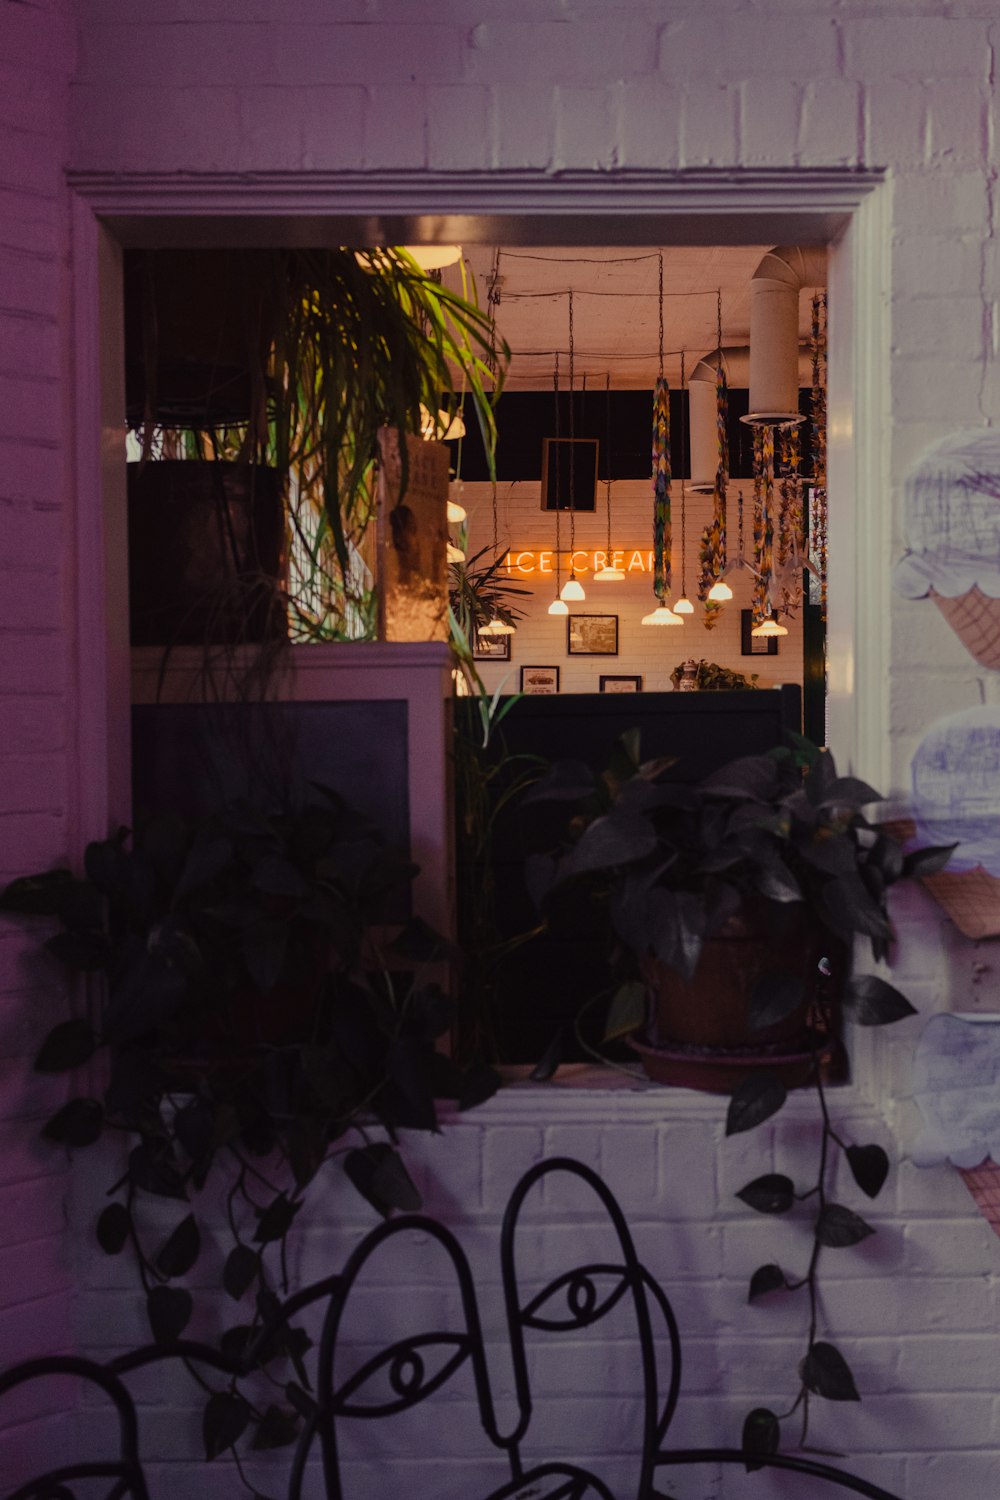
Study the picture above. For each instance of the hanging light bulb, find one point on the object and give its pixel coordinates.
(684, 606)
(558, 607)
(572, 589)
(720, 592)
(769, 627)
(501, 627)
(488, 629)
(456, 513)
(662, 615)
(451, 428)
(455, 554)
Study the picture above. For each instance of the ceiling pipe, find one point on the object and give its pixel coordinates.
(703, 431)
(774, 330)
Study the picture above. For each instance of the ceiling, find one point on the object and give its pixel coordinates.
(615, 308)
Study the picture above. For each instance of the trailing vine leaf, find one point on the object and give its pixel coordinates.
(169, 1310)
(869, 1167)
(36, 895)
(761, 1436)
(113, 1228)
(277, 1428)
(769, 1278)
(224, 1422)
(274, 1221)
(240, 1271)
(871, 1001)
(825, 1371)
(754, 1100)
(68, 1045)
(770, 1194)
(154, 1173)
(378, 1173)
(927, 861)
(180, 1251)
(627, 1011)
(78, 1123)
(301, 1400)
(550, 1059)
(838, 1227)
(776, 995)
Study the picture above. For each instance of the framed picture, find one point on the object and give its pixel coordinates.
(755, 645)
(621, 684)
(592, 635)
(539, 679)
(492, 648)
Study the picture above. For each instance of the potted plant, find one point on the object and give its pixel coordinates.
(731, 909)
(257, 420)
(255, 1028)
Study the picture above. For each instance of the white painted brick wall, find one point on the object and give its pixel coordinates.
(192, 85)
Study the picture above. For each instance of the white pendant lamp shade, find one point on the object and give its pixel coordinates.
(609, 575)
(661, 615)
(434, 257)
(572, 590)
(558, 607)
(768, 628)
(684, 607)
(501, 627)
(720, 592)
(455, 554)
(441, 429)
(456, 513)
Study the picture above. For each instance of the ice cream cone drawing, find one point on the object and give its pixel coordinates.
(952, 514)
(956, 800)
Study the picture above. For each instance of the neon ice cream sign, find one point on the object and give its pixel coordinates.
(534, 560)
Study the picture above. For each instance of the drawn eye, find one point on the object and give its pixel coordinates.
(402, 1375)
(581, 1297)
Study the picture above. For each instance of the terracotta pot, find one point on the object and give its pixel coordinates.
(206, 553)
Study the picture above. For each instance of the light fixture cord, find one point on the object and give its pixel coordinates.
(660, 258)
(555, 390)
(493, 302)
(684, 427)
(572, 474)
(607, 461)
(661, 473)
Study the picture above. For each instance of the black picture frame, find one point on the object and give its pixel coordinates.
(491, 648)
(634, 679)
(537, 689)
(755, 645)
(597, 635)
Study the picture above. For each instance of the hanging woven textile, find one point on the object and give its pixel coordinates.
(818, 508)
(661, 490)
(763, 522)
(713, 541)
(790, 548)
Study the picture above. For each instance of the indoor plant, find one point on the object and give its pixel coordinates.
(770, 857)
(254, 1029)
(279, 405)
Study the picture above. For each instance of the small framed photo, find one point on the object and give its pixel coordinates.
(755, 645)
(539, 680)
(592, 635)
(621, 684)
(491, 648)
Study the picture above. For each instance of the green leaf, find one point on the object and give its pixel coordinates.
(224, 1422)
(770, 1194)
(478, 1083)
(78, 1123)
(826, 1372)
(775, 995)
(567, 781)
(616, 839)
(848, 791)
(36, 895)
(769, 1278)
(420, 944)
(67, 1045)
(237, 1341)
(870, 1167)
(113, 1228)
(761, 1435)
(274, 1221)
(378, 1173)
(154, 1173)
(627, 1011)
(754, 1100)
(776, 881)
(870, 1001)
(838, 1227)
(277, 1428)
(240, 1271)
(927, 861)
(180, 1251)
(278, 877)
(551, 1058)
(169, 1310)
(208, 858)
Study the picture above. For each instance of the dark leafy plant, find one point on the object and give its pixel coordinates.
(254, 1030)
(760, 840)
(712, 677)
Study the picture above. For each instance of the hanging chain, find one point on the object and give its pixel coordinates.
(493, 302)
(661, 313)
(739, 514)
(684, 429)
(607, 460)
(572, 475)
(555, 391)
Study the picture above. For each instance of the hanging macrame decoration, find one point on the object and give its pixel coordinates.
(763, 524)
(661, 491)
(818, 508)
(713, 541)
(790, 539)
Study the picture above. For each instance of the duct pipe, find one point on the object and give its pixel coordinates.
(774, 330)
(703, 430)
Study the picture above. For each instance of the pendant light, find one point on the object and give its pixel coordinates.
(769, 627)
(683, 605)
(572, 590)
(608, 573)
(662, 614)
(497, 625)
(558, 605)
(720, 591)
